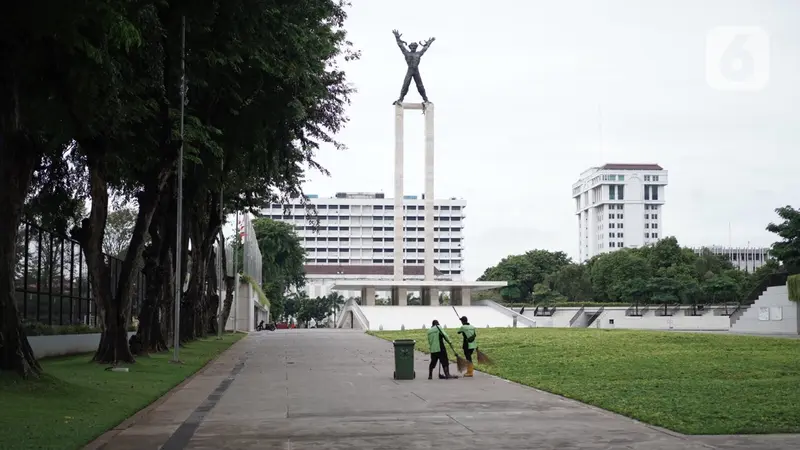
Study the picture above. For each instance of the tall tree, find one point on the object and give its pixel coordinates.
(787, 250)
(52, 52)
(525, 271)
(282, 257)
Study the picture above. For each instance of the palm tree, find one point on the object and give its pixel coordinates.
(335, 301)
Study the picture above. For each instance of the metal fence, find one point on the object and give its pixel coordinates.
(250, 257)
(52, 281)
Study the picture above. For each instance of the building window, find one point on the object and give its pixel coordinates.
(612, 191)
(647, 225)
(647, 235)
(655, 216)
(647, 216)
(655, 235)
(611, 235)
(611, 216)
(647, 192)
(611, 225)
(619, 235)
(647, 178)
(619, 216)
(655, 225)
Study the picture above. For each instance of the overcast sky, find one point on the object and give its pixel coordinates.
(518, 85)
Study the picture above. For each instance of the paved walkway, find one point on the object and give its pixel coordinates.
(333, 389)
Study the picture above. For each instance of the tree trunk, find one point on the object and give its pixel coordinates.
(213, 293)
(114, 301)
(228, 280)
(113, 345)
(17, 163)
(150, 337)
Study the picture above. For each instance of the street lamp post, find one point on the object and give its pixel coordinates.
(220, 270)
(179, 231)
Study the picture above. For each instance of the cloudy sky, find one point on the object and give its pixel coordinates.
(518, 86)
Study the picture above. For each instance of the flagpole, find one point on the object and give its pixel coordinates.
(236, 278)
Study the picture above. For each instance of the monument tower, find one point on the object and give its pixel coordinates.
(412, 57)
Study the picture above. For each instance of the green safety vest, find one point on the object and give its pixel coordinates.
(470, 336)
(433, 338)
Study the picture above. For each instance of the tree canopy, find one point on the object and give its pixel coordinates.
(96, 95)
(663, 273)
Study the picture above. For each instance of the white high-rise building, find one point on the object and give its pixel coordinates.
(618, 206)
(355, 237)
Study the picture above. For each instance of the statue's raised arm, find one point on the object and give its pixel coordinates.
(426, 45)
(400, 43)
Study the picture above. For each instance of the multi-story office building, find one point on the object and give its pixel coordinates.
(355, 233)
(743, 258)
(618, 205)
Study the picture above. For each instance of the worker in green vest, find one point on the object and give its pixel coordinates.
(436, 339)
(470, 336)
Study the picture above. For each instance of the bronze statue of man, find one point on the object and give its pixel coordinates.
(412, 59)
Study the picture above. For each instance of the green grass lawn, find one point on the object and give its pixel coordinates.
(693, 383)
(75, 400)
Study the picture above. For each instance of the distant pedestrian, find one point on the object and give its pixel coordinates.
(470, 335)
(436, 339)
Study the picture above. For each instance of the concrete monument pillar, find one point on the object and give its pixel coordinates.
(368, 296)
(399, 296)
(461, 297)
(398, 190)
(430, 296)
(429, 196)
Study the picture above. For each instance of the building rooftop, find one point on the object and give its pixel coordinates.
(615, 166)
(355, 269)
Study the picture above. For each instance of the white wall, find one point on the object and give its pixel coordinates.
(417, 317)
(649, 321)
(65, 344)
(243, 314)
(780, 313)
(560, 319)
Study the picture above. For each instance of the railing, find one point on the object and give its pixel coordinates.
(666, 310)
(517, 317)
(544, 311)
(51, 280)
(576, 316)
(595, 316)
(635, 310)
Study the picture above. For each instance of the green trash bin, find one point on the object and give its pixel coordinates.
(404, 359)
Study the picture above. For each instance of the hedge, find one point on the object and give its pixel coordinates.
(794, 287)
(42, 329)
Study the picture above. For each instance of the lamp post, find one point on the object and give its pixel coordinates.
(220, 269)
(179, 231)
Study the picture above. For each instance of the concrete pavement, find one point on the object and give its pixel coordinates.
(333, 389)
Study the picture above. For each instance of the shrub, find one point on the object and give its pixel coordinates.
(42, 329)
(794, 287)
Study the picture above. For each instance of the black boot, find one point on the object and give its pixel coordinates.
(447, 373)
(430, 374)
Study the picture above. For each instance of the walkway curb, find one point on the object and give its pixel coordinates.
(101, 441)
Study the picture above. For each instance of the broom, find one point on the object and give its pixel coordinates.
(461, 363)
(482, 357)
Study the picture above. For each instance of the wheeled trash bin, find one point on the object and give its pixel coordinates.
(404, 359)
